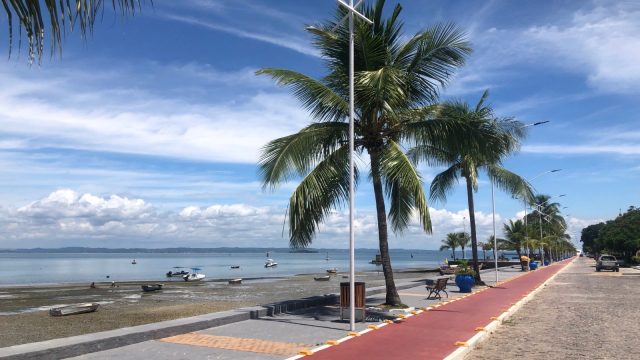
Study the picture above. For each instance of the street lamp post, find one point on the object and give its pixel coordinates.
(352, 299)
(493, 208)
(526, 231)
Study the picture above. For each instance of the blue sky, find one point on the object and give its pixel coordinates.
(148, 133)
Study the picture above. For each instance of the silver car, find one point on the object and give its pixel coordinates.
(607, 262)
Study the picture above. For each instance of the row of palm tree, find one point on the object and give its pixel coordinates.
(455, 240)
(397, 82)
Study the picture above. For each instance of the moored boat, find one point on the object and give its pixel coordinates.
(74, 309)
(180, 273)
(151, 287)
(332, 271)
(270, 263)
(194, 275)
(322, 278)
(235, 266)
(235, 281)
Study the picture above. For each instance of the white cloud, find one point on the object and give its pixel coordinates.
(98, 117)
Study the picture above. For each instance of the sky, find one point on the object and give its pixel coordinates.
(148, 133)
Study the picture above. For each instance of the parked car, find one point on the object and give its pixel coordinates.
(607, 262)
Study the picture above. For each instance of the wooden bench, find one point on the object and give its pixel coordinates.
(435, 288)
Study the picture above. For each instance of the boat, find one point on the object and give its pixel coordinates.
(332, 271)
(322, 278)
(134, 262)
(235, 266)
(235, 281)
(151, 287)
(74, 309)
(270, 263)
(194, 276)
(327, 258)
(180, 273)
(377, 260)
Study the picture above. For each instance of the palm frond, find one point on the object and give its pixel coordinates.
(322, 102)
(509, 182)
(61, 13)
(326, 187)
(443, 183)
(293, 155)
(404, 187)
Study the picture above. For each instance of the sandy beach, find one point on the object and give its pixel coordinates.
(24, 313)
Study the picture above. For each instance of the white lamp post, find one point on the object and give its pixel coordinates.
(352, 272)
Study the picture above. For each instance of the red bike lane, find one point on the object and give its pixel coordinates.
(433, 334)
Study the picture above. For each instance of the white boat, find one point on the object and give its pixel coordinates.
(332, 271)
(74, 309)
(322, 278)
(194, 276)
(134, 262)
(235, 281)
(270, 263)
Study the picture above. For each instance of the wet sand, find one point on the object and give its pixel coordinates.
(24, 313)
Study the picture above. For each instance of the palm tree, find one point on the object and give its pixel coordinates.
(52, 19)
(486, 246)
(514, 236)
(545, 218)
(496, 137)
(450, 243)
(397, 81)
(463, 241)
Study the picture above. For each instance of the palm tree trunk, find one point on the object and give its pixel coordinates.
(474, 239)
(462, 252)
(392, 297)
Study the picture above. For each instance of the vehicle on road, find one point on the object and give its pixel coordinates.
(607, 262)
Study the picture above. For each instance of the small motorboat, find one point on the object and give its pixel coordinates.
(235, 266)
(180, 273)
(134, 262)
(194, 276)
(270, 263)
(151, 287)
(74, 309)
(235, 281)
(322, 278)
(332, 271)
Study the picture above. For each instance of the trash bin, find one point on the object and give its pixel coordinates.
(359, 300)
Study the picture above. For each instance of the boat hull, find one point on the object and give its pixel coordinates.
(151, 288)
(74, 309)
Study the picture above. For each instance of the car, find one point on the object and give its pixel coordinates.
(607, 262)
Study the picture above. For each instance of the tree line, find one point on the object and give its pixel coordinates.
(619, 237)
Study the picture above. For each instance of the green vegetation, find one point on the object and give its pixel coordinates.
(397, 80)
(453, 240)
(464, 269)
(619, 237)
(56, 17)
(494, 139)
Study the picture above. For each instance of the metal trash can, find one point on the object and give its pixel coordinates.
(360, 300)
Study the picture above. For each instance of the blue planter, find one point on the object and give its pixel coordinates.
(533, 265)
(465, 283)
(546, 262)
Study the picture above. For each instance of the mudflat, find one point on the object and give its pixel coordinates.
(581, 314)
(24, 316)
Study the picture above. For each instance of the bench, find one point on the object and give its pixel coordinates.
(435, 288)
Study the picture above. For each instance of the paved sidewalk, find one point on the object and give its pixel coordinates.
(276, 337)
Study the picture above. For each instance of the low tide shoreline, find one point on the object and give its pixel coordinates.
(24, 314)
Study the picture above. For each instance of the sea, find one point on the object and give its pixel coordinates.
(63, 268)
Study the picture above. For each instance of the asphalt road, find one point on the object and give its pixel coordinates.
(581, 314)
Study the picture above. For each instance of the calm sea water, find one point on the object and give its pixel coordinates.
(29, 269)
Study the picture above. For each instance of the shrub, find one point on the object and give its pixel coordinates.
(464, 268)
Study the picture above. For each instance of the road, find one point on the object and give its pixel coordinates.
(581, 314)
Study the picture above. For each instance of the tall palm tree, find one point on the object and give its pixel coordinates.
(397, 80)
(546, 218)
(514, 233)
(450, 243)
(41, 18)
(497, 137)
(463, 241)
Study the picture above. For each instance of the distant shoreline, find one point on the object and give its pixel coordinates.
(177, 250)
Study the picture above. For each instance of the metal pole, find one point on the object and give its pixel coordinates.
(542, 246)
(352, 239)
(495, 241)
(526, 231)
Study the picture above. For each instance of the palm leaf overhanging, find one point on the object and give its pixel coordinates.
(41, 18)
(396, 84)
